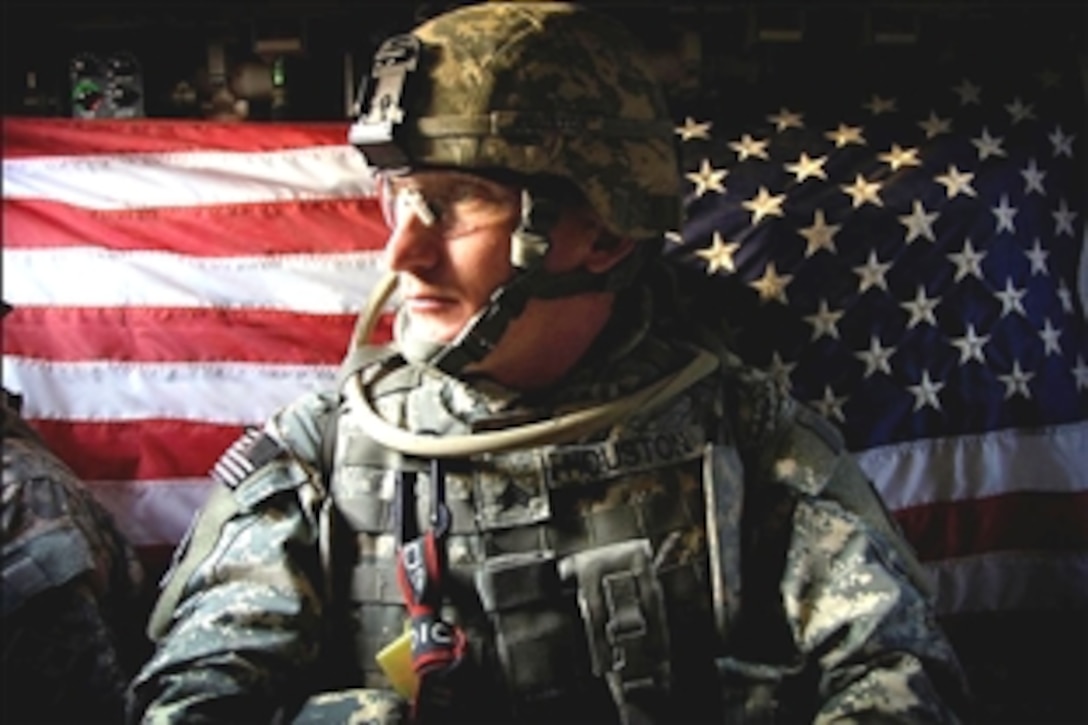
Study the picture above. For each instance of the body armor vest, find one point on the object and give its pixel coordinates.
(579, 574)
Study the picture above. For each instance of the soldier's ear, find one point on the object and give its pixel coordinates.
(607, 251)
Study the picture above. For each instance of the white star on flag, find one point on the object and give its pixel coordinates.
(1066, 297)
(820, 235)
(968, 92)
(919, 223)
(1063, 144)
(925, 392)
(957, 182)
(1011, 299)
(1051, 338)
(934, 125)
(824, 322)
(876, 358)
(1033, 178)
(772, 286)
(830, 406)
(872, 273)
(1005, 214)
(988, 145)
(968, 261)
(719, 255)
(1016, 382)
(920, 308)
(1080, 373)
(786, 118)
(878, 105)
(806, 167)
(764, 204)
(692, 129)
(748, 146)
(863, 191)
(780, 371)
(1019, 111)
(707, 178)
(1037, 256)
(899, 157)
(845, 135)
(970, 345)
(1064, 218)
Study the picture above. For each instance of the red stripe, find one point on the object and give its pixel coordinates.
(220, 230)
(164, 449)
(1034, 521)
(137, 450)
(26, 137)
(134, 334)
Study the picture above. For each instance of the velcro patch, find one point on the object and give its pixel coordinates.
(252, 451)
(580, 464)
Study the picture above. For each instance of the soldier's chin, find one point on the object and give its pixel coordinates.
(412, 341)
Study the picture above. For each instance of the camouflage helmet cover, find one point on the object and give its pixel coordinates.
(547, 88)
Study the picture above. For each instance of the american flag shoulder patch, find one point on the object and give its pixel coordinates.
(251, 451)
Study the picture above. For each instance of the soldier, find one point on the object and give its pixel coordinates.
(72, 590)
(555, 496)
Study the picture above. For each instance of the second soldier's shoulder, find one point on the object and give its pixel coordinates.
(41, 491)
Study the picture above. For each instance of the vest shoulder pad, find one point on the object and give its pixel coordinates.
(807, 453)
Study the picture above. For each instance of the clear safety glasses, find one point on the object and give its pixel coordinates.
(451, 203)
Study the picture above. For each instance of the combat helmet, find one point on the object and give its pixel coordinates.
(542, 90)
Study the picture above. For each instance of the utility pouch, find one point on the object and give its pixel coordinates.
(535, 625)
(623, 611)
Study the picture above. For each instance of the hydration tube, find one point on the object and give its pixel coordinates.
(560, 429)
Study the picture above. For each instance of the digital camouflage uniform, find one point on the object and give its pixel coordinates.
(73, 613)
(661, 536)
(821, 615)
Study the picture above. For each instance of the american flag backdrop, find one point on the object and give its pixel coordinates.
(900, 246)
(903, 255)
(174, 282)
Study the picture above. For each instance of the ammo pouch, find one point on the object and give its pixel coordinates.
(534, 604)
(623, 611)
(536, 637)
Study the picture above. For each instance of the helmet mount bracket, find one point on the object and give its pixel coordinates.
(375, 132)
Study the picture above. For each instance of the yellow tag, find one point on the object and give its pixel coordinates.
(395, 659)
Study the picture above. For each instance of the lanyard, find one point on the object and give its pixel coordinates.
(437, 645)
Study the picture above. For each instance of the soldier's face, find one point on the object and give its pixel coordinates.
(449, 243)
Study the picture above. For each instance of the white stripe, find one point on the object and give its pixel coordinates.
(153, 513)
(1011, 580)
(962, 468)
(237, 393)
(225, 393)
(95, 277)
(197, 178)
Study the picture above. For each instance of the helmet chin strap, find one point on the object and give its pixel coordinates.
(529, 244)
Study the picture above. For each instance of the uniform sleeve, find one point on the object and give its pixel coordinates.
(866, 631)
(245, 630)
(858, 638)
(71, 587)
